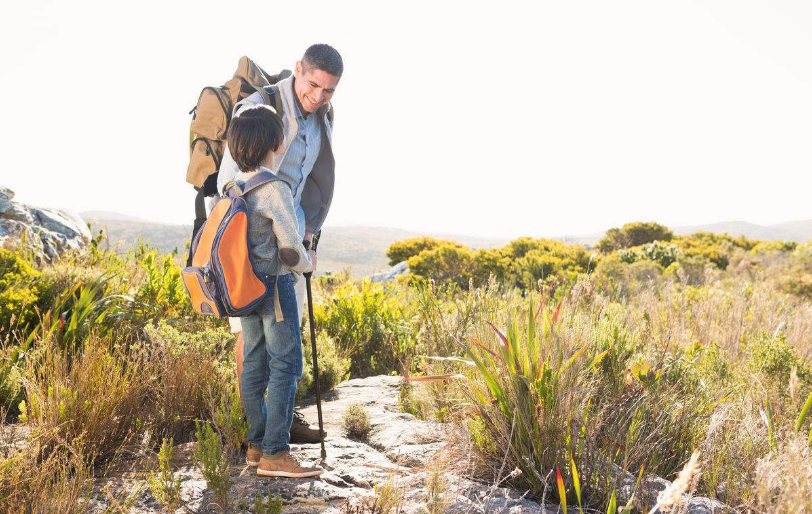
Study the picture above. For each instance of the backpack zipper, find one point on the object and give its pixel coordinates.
(209, 150)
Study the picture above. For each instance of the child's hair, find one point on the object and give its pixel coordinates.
(251, 135)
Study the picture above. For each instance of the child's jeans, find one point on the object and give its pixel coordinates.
(272, 368)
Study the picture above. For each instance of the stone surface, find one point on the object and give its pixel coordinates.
(398, 451)
(651, 486)
(49, 232)
(393, 272)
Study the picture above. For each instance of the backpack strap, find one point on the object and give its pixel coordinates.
(263, 177)
(200, 219)
(233, 190)
(270, 96)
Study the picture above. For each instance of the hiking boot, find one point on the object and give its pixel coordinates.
(253, 454)
(300, 431)
(282, 464)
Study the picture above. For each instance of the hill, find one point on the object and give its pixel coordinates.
(363, 249)
(798, 231)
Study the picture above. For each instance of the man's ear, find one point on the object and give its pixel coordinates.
(298, 69)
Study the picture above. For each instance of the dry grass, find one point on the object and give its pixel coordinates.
(94, 401)
(44, 475)
(783, 479)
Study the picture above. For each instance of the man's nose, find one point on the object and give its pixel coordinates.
(318, 96)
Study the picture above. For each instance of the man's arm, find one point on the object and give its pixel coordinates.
(228, 168)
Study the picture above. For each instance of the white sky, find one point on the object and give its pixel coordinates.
(495, 119)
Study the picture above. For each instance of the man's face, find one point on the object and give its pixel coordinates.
(314, 88)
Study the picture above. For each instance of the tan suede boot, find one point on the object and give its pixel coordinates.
(300, 431)
(253, 454)
(282, 464)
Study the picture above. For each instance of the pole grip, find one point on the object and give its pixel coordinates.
(314, 244)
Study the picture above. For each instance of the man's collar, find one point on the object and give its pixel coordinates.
(296, 103)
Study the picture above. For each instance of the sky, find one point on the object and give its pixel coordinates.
(492, 119)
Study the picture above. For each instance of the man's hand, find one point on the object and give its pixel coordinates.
(314, 259)
(308, 236)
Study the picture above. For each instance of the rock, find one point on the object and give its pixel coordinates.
(48, 232)
(6, 195)
(651, 486)
(398, 451)
(394, 271)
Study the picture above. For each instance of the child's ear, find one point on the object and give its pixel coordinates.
(280, 149)
(268, 160)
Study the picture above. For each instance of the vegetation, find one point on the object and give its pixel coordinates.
(634, 234)
(574, 369)
(356, 421)
(211, 458)
(163, 483)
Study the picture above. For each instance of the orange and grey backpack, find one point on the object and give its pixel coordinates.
(221, 280)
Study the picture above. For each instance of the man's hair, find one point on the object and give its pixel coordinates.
(256, 131)
(325, 58)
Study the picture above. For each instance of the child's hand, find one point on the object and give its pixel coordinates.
(313, 259)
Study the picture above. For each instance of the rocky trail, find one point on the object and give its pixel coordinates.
(397, 449)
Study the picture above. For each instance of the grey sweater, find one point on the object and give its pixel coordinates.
(272, 228)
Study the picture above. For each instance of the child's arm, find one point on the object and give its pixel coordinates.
(291, 251)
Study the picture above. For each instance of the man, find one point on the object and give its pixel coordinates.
(307, 164)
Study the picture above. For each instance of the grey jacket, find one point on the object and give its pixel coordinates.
(317, 193)
(275, 245)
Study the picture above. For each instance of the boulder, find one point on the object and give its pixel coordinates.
(391, 274)
(47, 232)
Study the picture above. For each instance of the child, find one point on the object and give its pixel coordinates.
(273, 347)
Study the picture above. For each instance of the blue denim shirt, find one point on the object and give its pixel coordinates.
(299, 157)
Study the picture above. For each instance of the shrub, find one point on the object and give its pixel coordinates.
(162, 292)
(550, 404)
(370, 325)
(19, 291)
(633, 234)
(438, 498)
(544, 259)
(690, 269)
(773, 246)
(664, 255)
(538, 266)
(46, 479)
(332, 369)
(773, 358)
(272, 504)
(356, 421)
(491, 263)
(212, 461)
(11, 386)
(445, 263)
(627, 279)
(94, 401)
(408, 248)
(229, 418)
(165, 486)
(522, 263)
(189, 374)
(716, 248)
(784, 479)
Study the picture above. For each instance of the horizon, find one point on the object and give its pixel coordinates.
(596, 234)
(593, 115)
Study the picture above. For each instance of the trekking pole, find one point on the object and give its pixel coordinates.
(313, 342)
